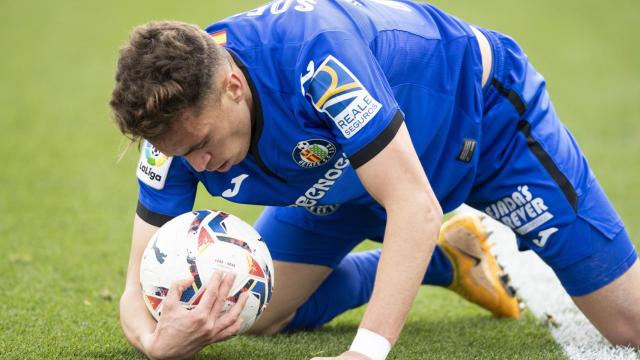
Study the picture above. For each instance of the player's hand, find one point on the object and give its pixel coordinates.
(181, 333)
(349, 355)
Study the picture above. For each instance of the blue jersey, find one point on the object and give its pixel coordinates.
(332, 82)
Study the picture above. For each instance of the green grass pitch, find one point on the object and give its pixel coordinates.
(66, 203)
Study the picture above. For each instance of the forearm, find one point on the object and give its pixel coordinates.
(135, 320)
(410, 237)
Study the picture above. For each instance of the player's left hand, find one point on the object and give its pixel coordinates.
(349, 355)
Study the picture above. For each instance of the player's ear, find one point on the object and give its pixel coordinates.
(234, 87)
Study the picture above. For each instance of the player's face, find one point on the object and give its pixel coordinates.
(218, 136)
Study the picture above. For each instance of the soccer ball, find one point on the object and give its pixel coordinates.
(195, 244)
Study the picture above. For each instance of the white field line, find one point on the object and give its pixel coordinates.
(544, 295)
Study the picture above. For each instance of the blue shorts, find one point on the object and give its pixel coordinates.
(531, 176)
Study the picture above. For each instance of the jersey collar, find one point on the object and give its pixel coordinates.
(257, 119)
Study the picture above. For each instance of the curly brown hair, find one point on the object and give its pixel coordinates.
(166, 68)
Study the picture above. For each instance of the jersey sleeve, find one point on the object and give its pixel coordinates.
(167, 187)
(344, 88)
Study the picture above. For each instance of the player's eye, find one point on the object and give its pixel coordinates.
(199, 146)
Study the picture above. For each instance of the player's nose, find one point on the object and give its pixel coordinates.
(199, 160)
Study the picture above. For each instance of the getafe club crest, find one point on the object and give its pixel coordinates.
(313, 152)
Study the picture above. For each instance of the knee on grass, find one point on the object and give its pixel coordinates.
(270, 326)
(625, 334)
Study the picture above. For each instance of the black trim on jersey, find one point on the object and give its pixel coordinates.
(376, 145)
(513, 96)
(549, 165)
(525, 128)
(151, 217)
(257, 121)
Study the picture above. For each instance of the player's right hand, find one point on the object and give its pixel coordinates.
(181, 333)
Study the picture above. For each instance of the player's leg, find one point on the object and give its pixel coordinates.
(306, 247)
(305, 253)
(533, 178)
(349, 285)
(613, 308)
(460, 262)
(295, 283)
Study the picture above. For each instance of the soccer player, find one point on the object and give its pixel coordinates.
(353, 120)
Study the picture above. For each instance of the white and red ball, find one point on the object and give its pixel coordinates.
(195, 244)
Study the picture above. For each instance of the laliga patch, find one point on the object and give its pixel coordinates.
(334, 90)
(312, 153)
(153, 166)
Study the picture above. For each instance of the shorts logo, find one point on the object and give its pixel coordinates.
(334, 90)
(312, 153)
(522, 212)
(153, 166)
(544, 236)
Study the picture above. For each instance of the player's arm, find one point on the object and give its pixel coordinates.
(396, 179)
(135, 319)
(180, 333)
(346, 90)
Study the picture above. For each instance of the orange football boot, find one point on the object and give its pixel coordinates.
(477, 276)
